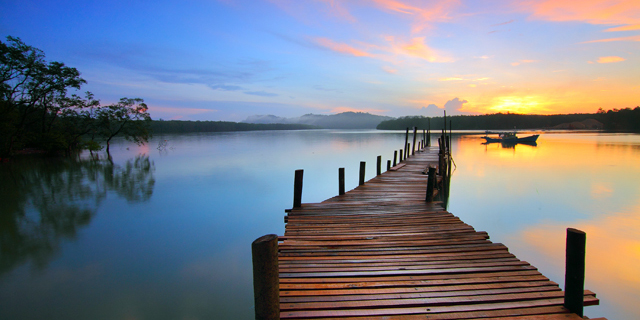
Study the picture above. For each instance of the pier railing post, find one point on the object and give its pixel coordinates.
(297, 189)
(406, 154)
(266, 287)
(401, 155)
(415, 132)
(395, 156)
(379, 166)
(574, 271)
(340, 181)
(362, 167)
(406, 142)
(388, 165)
(431, 181)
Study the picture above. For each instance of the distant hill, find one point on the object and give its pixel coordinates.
(345, 120)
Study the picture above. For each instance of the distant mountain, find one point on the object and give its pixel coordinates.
(345, 120)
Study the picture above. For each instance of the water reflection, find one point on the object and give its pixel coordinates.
(527, 197)
(512, 144)
(45, 201)
(613, 255)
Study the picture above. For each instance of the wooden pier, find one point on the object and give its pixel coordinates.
(380, 251)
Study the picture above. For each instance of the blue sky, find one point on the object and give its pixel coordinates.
(228, 59)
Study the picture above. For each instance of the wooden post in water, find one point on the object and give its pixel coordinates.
(297, 189)
(400, 156)
(266, 287)
(406, 142)
(406, 154)
(340, 181)
(413, 150)
(395, 156)
(388, 165)
(379, 166)
(362, 165)
(428, 132)
(574, 271)
(431, 181)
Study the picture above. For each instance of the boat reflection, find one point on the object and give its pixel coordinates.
(512, 144)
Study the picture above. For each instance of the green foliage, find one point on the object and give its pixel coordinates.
(37, 112)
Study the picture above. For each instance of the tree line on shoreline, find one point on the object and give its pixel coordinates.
(627, 120)
(36, 111)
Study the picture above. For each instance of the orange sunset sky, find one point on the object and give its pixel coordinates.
(229, 59)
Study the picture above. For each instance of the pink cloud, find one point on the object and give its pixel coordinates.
(631, 38)
(418, 48)
(342, 47)
(616, 12)
(423, 13)
(389, 70)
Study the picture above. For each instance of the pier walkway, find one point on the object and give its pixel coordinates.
(381, 251)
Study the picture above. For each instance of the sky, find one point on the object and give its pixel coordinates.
(230, 59)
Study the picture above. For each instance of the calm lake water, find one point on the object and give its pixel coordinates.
(165, 233)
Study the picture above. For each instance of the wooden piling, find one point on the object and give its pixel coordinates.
(431, 181)
(406, 142)
(395, 156)
(266, 287)
(340, 181)
(388, 165)
(574, 271)
(379, 166)
(415, 132)
(362, 171)
(401, 159)
(297, 189)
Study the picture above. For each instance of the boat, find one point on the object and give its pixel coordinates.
(511, 137)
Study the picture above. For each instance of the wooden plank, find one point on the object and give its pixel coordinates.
(380, 251)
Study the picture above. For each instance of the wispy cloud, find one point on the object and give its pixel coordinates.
(624, 28)
(630, 38)
(517, 63)
(418, 48)
(225, 87)
(608, 12)
(388, 69)
(423, 13)
(261, 93)
(502, 24)
(341, 47)
(610, 59)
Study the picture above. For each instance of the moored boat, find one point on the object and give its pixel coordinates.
(511, 137)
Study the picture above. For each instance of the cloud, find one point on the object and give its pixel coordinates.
(610, 12)
(610, 59)
(308, 10)
(503, 23)
(517, 63)
(225, 87)
(631, 38)
(261, 93)
(388, 69)
(424, 13)
(624, 28)
(432, 110)
(455, 104)
(341, 47)
(418, 48)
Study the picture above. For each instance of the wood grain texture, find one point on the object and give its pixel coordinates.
(380, 251)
